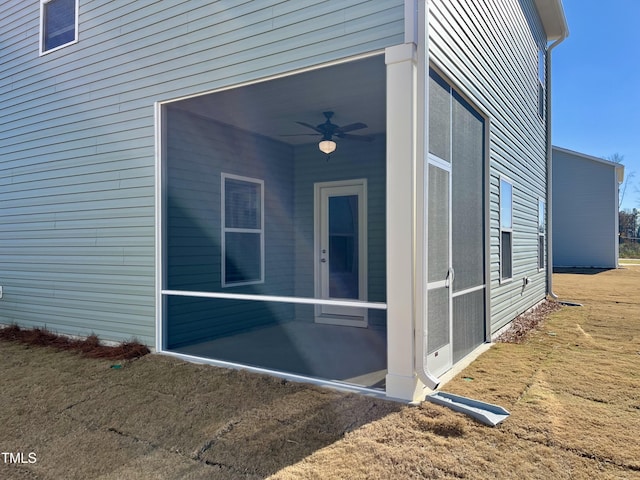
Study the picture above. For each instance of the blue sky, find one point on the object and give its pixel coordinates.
(596, 84)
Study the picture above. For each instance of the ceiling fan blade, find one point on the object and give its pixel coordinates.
(311, 127)
(299, 135)
(361, 138)
(352, 126)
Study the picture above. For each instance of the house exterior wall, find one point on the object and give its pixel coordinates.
(199, 152)
(77, 138)
(489, 52)
(78, 142)
(585, 211)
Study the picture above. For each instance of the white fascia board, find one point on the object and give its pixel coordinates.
(553, 19)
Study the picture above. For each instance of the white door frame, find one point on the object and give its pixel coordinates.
(327, 314)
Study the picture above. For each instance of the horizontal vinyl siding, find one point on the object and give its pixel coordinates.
(199, 151)
(584, 212)
(489, 50)
(77, 147)
(198, 320)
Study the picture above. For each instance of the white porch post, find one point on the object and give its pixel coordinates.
(402, 103)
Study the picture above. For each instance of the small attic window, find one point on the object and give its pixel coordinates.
(58, 24)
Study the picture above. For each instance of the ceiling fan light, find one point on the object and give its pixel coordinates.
(327, 146)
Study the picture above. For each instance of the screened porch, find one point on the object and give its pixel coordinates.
(273, 251)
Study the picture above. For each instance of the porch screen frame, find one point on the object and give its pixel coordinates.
(162, 292)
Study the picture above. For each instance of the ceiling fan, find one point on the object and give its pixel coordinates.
(329, 131)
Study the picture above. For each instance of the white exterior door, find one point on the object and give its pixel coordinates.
(341, 250)
(440, 274)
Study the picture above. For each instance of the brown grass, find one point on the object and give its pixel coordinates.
(572, 386)
(89, 346)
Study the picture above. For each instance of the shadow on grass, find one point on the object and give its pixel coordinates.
(581, 270)
(160, 412)
(264, 440)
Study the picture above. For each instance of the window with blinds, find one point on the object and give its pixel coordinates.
(58, 24)
(242, 231)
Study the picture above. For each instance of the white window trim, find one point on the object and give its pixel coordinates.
(76, 36)
(504, 179)
(224, 230)
(542, 261)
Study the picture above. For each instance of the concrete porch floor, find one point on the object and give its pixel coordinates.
(348, 354)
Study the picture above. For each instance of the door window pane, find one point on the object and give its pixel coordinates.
(343, 247)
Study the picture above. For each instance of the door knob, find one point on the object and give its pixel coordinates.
(451, 275)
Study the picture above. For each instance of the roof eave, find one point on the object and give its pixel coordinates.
(619, 167)
(553, 19)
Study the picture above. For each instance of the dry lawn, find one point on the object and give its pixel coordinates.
(572, 386)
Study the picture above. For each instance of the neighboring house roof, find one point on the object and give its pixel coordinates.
(552, 15)
(618, 166)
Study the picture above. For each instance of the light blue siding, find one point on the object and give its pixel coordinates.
(585, 211)
(489, 50)
(199, 151)
(77, 146)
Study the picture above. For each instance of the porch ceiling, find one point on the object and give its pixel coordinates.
(354, 91)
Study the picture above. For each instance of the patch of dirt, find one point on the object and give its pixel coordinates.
(528, 321)
(89, 347)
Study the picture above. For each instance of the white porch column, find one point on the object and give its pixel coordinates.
(402, 103)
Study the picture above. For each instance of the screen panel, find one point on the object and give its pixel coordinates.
(438, 315)
(468, 323)
(439, 117)
(467, 179)
(438, 228)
